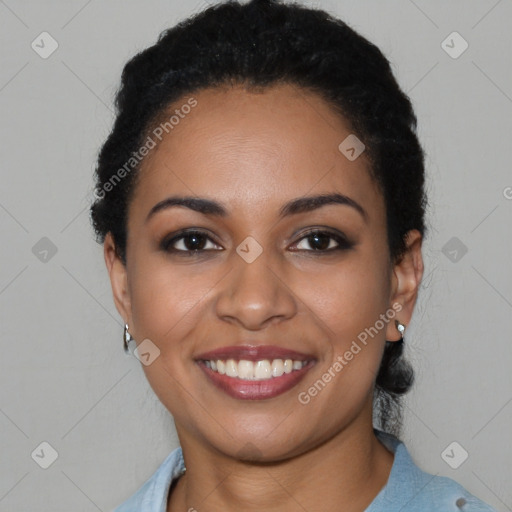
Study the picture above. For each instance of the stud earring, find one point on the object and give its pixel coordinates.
(126, 339)
(401, 329)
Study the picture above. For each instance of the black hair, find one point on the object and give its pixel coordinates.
(259, 44)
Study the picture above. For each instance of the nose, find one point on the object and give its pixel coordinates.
(256, 294)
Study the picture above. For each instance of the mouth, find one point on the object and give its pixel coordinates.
(255, 372)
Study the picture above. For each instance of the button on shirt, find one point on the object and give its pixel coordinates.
(408, 487)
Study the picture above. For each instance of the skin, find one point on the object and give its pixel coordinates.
(253, 152)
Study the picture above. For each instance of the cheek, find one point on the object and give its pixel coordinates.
(165, 299)
(349, 301)
(348, 298)
(167, 305)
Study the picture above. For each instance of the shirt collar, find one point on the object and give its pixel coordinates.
(403, 470)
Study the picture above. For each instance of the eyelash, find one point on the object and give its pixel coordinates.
(165, 245)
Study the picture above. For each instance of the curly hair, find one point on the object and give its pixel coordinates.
(259, 44)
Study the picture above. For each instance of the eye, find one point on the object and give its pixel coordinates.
(187, 243)
(195, 242)
(325, 241)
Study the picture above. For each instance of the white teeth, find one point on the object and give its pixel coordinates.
(277, 367)
(262, 370)
(257, 370)
(231, 368)
(245, 369)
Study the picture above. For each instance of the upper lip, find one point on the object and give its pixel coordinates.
(253, 353)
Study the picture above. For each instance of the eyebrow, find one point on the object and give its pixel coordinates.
(296, 206)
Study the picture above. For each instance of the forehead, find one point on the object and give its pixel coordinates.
(252, 150)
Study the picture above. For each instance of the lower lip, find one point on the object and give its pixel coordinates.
(255, 389)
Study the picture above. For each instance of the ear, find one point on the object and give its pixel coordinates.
(406, 280)
(118, 278)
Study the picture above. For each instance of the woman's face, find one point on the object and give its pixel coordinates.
(260, 287)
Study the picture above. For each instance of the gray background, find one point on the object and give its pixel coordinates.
(64, 377)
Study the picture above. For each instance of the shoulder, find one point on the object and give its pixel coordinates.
(412, 489)
(152, 495)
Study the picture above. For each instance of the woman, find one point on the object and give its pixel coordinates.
(261, 203)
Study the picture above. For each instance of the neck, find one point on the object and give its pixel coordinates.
(350, 468)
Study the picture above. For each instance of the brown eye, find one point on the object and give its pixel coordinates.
(188, 243)
(325, 241)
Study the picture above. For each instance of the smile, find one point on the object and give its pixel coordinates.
(254, 372)
(258, 370)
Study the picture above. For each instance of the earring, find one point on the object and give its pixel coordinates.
(401, 329)
(126, 339)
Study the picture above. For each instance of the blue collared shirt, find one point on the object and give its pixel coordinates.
(408, 489)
